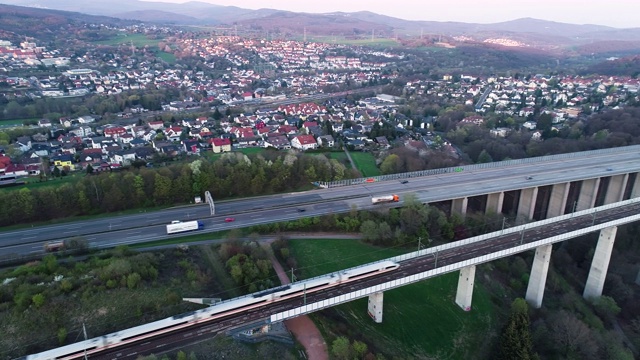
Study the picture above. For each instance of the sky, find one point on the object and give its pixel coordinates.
(614, 13)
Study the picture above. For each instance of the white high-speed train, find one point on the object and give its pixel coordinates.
(218, 311)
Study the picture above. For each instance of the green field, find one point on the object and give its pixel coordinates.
(13, 122)
(338, 155)
(35, 183)
(365, 162)
(168, 57)
(138, 40)
(251, 150)
(420, 321)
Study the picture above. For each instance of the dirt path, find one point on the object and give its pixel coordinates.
(353, 164)
(302, 327)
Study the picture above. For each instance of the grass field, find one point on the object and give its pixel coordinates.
(168, 57)
(420, 321)
(251, 150)
(13, 122)
(35, 183)
(127, 39)
(365, 162)
(340, 156)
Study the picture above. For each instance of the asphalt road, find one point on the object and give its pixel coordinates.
(147, 226)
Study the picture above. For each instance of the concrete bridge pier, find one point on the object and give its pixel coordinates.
(600, 263)
(588, 194)
(465, 287)
(527, 203)
(494, 202)
(375, 306)
(615, 190)
(635, 189)
(558, 200)
(538, 277)
(459, 206)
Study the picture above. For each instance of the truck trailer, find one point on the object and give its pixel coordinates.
(179, 226)
(52, 246)
(385, 199)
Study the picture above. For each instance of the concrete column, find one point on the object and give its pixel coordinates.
(375, 306)
(588, 193)
(635, 191)
(538, 277)
(459, 206)
(465, 287)
(615, 190)
(600, 263)
(558, 200)
(494, 202)
(527, 203)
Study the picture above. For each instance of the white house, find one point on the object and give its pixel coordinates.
(304, 142)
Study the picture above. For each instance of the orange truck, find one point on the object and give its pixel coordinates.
(385, 199)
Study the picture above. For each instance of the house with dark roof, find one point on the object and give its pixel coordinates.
(279, 142)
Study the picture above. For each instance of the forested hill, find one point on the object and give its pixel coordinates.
(627, 66)
(44, 24)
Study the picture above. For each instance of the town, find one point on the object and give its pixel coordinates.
(299, 70)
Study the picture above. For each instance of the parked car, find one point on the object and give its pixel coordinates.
(229, 219)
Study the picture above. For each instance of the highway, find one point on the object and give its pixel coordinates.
(413, 266)
(147, 226)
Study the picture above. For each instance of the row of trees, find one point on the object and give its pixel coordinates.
(233, 175)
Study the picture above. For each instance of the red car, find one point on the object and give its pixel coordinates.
(229, 219)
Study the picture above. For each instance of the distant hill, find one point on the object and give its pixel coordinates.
(44, 23)
(157, 16)
(629, 66)
(532, 32)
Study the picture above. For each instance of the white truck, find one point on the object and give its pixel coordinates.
(177, 226)
(385, 199)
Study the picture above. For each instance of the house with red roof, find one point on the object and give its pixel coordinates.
(5, 161)
(155, 125)
(304, 142)
(115, 131)
(219, 145)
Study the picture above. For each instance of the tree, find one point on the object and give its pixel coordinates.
(89, 169)
(391, 164)
(369, 231)
(341, 348)
(62, 335)
(484, 157)
(359, 348)
(516, 336)
(38, 300)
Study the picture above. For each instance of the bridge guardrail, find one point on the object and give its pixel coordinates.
(497, 164)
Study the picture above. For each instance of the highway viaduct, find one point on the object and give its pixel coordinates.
(552, 195)
(566, 202)
(416, 266)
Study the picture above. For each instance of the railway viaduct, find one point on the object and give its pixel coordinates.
(554, 198)
(552, 206)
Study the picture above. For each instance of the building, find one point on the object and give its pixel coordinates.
(304, 142)
(220, 145)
